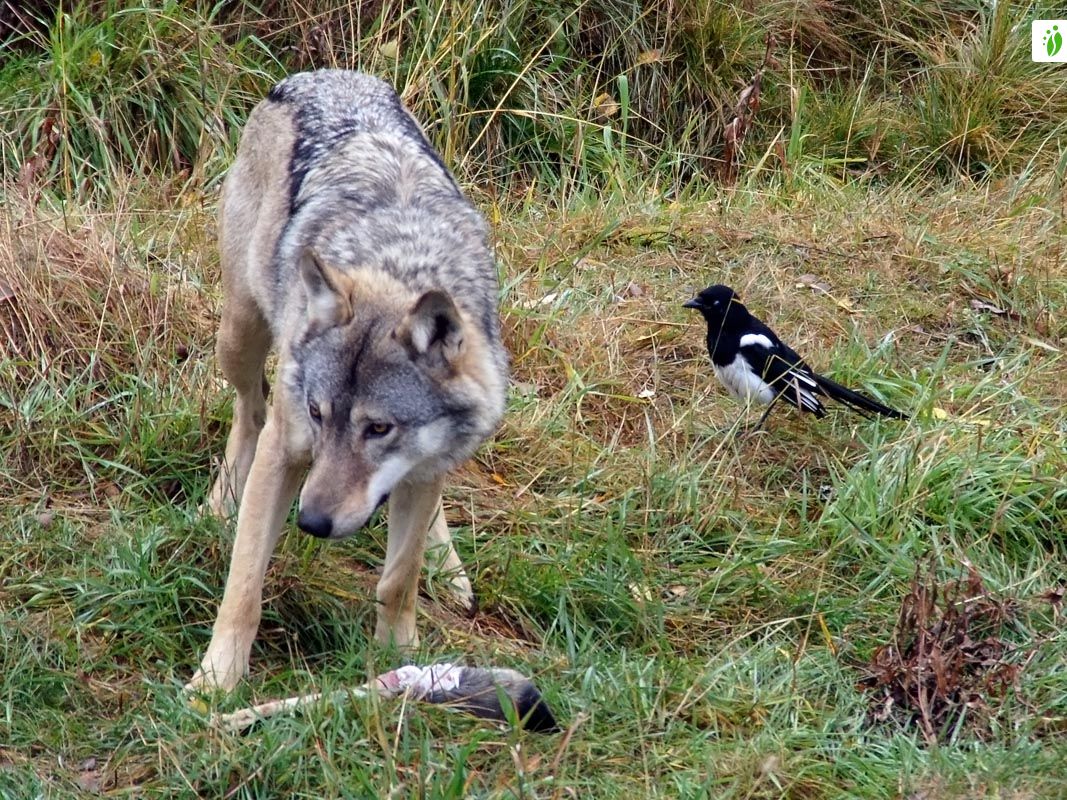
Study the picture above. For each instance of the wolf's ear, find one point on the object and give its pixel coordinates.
(328, 292)
(432, 331)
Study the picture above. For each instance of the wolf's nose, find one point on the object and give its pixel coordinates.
(316, 524)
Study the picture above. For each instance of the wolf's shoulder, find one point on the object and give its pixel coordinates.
(334, 101)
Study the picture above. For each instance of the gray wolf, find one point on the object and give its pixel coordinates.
(754, 364)
(347, 246)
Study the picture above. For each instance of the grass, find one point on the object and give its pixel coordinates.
(518, 95)
(699, 609)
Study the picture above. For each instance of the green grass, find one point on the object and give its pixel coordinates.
(697, 608)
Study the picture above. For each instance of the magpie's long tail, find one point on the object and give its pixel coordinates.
(855, 400)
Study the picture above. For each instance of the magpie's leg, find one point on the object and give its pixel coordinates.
(745, 430)
(739, 428)
(763, 417)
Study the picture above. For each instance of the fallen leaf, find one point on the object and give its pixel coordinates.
(844, 304)
(826, 635)
(547, 300)
(980, 305)
(1002, 275)
(1054, 597)
(109, 489)
(813, 282)
(89, 778)
(779, 151)
(640, 593)
(605, 106)
(1041, 344)
(527, 388)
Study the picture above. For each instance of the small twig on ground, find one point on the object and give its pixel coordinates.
(563, 745)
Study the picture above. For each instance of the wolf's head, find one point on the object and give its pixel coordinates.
(384, 386)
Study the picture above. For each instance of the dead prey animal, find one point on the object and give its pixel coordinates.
(494, 693)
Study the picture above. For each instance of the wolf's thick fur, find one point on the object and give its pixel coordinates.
(347, 245)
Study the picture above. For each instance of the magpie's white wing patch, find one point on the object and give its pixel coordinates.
(750, 339)
(769, 370)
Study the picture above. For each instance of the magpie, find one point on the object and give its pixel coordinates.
(754, 364)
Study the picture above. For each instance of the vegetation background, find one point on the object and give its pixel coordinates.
(845, 608)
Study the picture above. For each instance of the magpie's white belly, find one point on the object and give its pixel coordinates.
(741, 382)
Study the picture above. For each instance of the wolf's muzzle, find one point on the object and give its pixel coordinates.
(319, 525)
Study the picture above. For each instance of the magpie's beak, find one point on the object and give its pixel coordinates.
(694, 303)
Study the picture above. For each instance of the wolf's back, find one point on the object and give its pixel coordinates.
(331, 107)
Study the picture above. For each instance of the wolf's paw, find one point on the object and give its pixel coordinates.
(463, 593)
(443, 563)
(221, 669)
(207, 680)
(219, 503)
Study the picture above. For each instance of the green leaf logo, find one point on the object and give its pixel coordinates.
(1053, 40)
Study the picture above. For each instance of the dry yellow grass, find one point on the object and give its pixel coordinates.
(603, 357)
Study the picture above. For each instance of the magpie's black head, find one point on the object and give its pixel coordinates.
(718, 304)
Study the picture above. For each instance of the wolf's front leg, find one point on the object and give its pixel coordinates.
(272, 484)
(439, 539)
(412, 507)
(243, 342)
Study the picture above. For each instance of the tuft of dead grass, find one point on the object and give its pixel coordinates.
(952, 661)
(78, 290)
(515, 97)
(94, 316)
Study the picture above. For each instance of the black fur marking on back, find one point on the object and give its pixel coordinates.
(321, 125)
(278, 93)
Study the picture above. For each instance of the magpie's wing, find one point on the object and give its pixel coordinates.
(783, 370)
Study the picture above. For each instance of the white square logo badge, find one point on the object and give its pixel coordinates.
(1048, 40)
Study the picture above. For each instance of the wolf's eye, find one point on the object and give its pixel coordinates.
(313, 411)
(376, 430)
